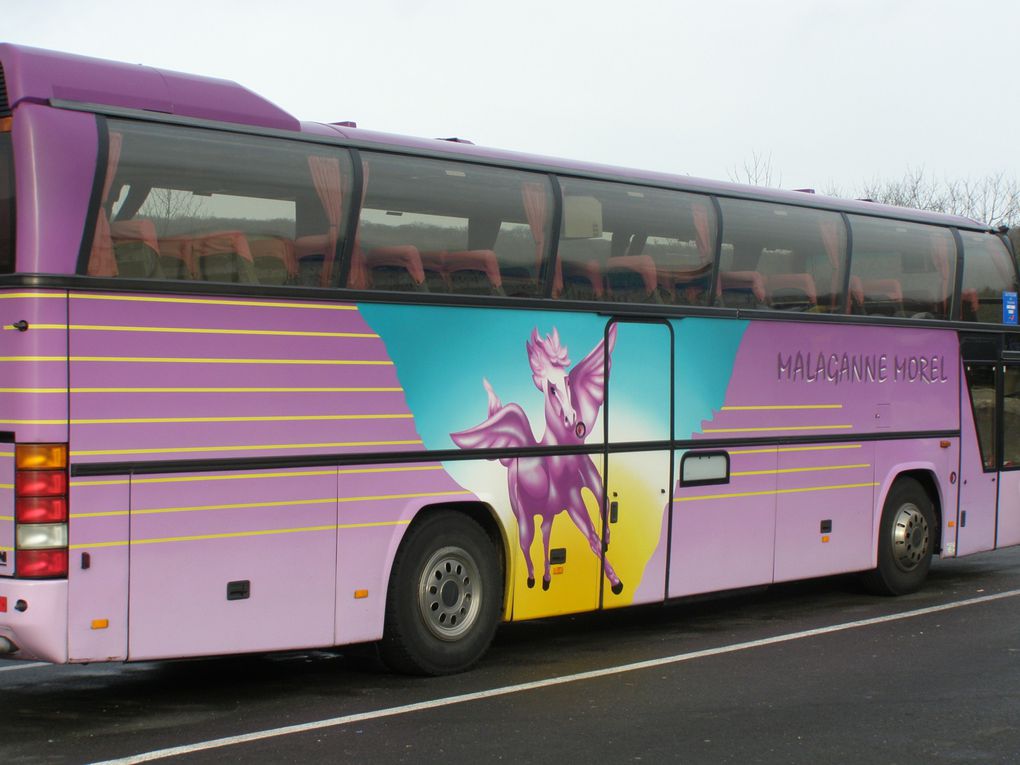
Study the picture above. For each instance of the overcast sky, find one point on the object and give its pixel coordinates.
(837, 93)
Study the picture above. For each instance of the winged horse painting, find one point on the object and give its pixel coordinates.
(547, 486)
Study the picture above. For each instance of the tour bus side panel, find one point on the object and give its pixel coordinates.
(55, 163)
(97, 609)
(978, 480)
(378, 504)
(497, 387)
(245, 559)
(33, 404)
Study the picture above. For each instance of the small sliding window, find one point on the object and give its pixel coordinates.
(704, 468)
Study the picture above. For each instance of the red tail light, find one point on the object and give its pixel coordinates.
(41, 510)
(42, 564)
(40, 483)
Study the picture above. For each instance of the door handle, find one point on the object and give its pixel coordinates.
(614, 511)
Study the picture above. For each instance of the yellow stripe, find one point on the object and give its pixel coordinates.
(295, 474)
(7, 485)
(196, 360)
(33, 390)
(773, 449)
(21, 295)
(198, 330)
(204, 360)
(242, 448)
(224, 390)
(779, 407)
(201, 301)
(274, 503)
(776, 491)
(33, 358)
(354, 471)
(6, 517)
(268, 532)
(405, 496)
(798, 470)
(769, 429)
(201, 390)
(277, 503)
(261, 418)
(6, 549)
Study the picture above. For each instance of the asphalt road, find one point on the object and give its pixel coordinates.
(811, 672)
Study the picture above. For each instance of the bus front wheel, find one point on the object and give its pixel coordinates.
(444, 597)
(906, 539)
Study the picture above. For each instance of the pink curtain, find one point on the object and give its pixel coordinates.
(832, 240)
(536, 208)
(702, 230)
(102, 261)
(329, 186)
(940, 257)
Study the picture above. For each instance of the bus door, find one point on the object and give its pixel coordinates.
(1008, 520)
(979, 446)
(638, 501)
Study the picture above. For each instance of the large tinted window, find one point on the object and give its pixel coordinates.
(185, 203)
(981, 382)
(445, 226)
(987, 273)
(6, 204)
(632, 243)
(901, 269)
(782, 257)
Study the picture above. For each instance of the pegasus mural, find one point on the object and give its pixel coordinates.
(547, 486)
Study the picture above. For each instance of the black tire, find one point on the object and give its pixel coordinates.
(906, 540)
(444, 599)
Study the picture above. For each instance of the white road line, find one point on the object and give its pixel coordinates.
(16, 667)
(333, 722)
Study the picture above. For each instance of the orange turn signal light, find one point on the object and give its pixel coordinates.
(40, 456)
(360, 594)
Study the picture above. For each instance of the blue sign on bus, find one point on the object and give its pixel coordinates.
(1009, 308)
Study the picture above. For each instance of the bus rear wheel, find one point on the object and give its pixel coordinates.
(906, 540)
(444, 598)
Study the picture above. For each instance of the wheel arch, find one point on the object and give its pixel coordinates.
(481, 513)
(925, 474)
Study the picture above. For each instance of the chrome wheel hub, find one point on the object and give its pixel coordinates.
(910, 537)
(449, 596)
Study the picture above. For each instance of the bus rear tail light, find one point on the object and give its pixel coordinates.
(41, 510)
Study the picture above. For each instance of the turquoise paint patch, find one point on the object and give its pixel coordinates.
(705, 358)
(442, 354)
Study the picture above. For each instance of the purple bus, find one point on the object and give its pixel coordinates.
(273, 385)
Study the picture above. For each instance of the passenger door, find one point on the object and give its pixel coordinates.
(638, 501)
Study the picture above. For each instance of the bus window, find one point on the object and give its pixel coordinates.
(184, 203)
(981, 382)
(444, 226)
(782, 257)
(1011, 418)
(901, 269)
(635, 244)
(987, 273)
(6, 204)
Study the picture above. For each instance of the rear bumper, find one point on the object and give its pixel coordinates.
(35, 620)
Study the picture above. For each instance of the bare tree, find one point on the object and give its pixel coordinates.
(991, 199)
(168, 208)
(756, 171)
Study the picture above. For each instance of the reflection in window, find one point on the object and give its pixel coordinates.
(1011, 418)
(185, 203)
(444, 226)
(901, 269)
(987, 273)
(782, 257)
(632, 243)
(981, 381)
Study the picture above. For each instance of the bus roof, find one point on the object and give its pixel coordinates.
(43, 76)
